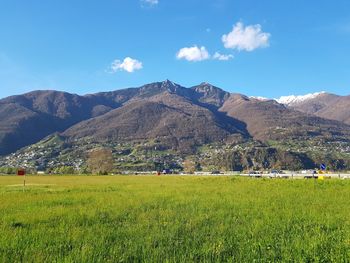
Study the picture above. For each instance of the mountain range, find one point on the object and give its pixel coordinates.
(174, 118)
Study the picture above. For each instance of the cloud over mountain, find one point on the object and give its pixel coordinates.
(247, 38)
(222, 57)
(150, 2)
(128, 64)
(194, 53)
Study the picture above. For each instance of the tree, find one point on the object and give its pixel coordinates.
(189, 166)
(64, 170)
(159, 167)
(100, 161)
(8, 170)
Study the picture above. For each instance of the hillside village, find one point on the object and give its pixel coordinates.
(55, 155)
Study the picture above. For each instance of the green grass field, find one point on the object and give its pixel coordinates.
(173, 219)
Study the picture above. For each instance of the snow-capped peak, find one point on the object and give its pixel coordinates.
(259, 98)
(293, 99)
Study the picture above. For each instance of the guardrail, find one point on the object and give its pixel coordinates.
(300, 176)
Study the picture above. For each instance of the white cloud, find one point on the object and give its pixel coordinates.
(246, 38)
(194, 53)
(151, 2)
(222, 57)
(128, 64)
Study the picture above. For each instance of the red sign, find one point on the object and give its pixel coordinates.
(21, 172)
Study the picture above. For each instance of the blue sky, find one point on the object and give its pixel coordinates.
(265, 48)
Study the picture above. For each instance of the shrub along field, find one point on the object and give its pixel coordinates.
(173, 219)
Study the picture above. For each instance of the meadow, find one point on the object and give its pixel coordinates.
(173, 219)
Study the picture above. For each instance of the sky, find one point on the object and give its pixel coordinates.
(264, 48)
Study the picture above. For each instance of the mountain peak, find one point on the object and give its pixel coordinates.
(168, 82)
(169, 85)
(206, 87)
(206, 84)
(211, 94)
